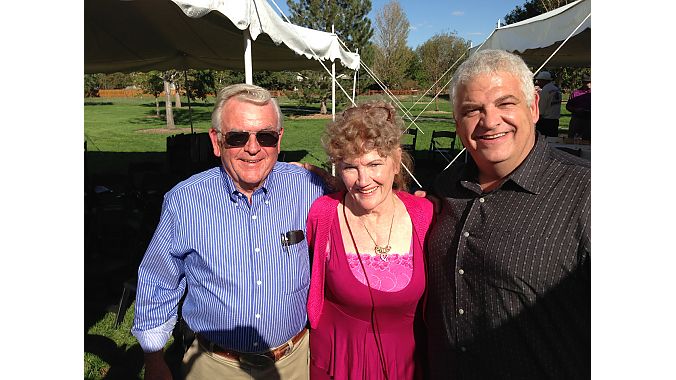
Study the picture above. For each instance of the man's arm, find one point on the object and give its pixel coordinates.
(156, 366)
(333, 183)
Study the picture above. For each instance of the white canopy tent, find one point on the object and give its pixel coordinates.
(537, 38)
(143, 35)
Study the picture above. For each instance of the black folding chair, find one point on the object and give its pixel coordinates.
(442, 143)
(410, 147)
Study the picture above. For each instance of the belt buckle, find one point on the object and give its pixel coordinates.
(256, 360)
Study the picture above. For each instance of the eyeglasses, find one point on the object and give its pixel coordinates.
(374, 111)
(237, 139)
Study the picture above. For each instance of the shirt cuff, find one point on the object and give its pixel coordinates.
(154, 339)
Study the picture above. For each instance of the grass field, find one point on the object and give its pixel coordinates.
(123, 133)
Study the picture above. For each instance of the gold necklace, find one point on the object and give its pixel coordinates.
(383, 252)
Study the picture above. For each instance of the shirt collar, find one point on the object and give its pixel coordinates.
(526, 175)
(269, 183)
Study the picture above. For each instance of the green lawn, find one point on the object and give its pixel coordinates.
(130, 125)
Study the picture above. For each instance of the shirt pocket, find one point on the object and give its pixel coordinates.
(298, 268)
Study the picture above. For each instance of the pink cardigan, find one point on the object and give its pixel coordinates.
(321, 217)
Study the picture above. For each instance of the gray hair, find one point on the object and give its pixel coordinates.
(490, 62)
(246, 93)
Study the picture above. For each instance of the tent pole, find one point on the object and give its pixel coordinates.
(187, 91)
(333, 84)
(248, 75)
(354, 84)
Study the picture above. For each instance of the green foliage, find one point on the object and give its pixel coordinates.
(199, 83)
(532, 8)
(227, 77)
(115, 80)
(92, 83)
(393, 57)
(150, 82)
(353, 27)
(568, 78)
(349, 17)
(437, 55)
(275, 80)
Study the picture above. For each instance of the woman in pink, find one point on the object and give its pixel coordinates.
(368, 274)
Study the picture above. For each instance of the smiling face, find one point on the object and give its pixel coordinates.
(495, 122)
(368, 179)
(248, 166)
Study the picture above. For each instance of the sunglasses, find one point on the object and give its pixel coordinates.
(237, 139)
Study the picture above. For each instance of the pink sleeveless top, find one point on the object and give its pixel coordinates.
(343, 344)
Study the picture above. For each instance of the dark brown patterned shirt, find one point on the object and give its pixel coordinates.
(509, 272)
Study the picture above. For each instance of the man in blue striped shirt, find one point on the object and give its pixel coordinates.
(234, 237)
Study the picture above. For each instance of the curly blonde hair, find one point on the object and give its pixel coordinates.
(369, 126)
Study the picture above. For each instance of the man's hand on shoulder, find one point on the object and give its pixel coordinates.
(333, 183)
(435, 201)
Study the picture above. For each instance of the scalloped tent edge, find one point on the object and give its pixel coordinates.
(537, 38)
(144, 35)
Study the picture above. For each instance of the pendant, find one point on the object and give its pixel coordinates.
(382, 252)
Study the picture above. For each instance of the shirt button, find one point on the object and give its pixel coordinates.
(257, 249)
(267, 202)
(258, 316)
(463, 348)
(253, 217)
(482, 200)
(259, 282)
(461, 311)
(255, 344)
(461, 271)
(465, 234)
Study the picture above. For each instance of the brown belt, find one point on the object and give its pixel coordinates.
(258, 359)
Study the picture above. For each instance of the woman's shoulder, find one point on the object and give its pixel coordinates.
(324, 204)
(413, 200)
(420, 209)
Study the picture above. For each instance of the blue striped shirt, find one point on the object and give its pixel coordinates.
(246, 290)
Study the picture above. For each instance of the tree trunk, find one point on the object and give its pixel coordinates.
(436, 100)
(170, 112)
(177, 96)
(323, 110)
(157, 107)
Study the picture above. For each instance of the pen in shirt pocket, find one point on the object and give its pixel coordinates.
(291, 238)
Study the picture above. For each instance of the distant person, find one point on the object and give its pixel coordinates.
(549, 105)
(232, 237)
(368, 244)
(579, 105)
(508, 271)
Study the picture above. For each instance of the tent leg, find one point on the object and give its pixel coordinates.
(333, 85)
(248, 67)
(354, 85)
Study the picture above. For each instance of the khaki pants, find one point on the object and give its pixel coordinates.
(201, 364)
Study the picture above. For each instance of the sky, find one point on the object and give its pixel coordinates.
(472, 20)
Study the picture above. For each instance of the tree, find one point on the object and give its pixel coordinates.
(92, 83)
(392, 56)
(200, 83)
(151, 83)
(169, 77)
(532, 8)
(350, 18)
(437, 55)
(353, 27)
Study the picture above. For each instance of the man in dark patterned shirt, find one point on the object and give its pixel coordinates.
(509, 256)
